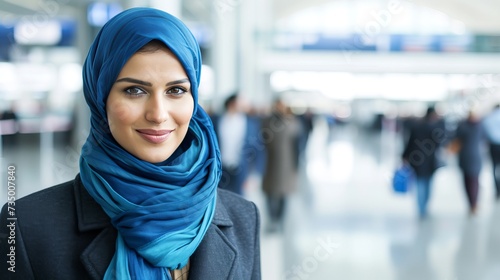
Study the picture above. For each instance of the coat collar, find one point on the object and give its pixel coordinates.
(89, 213)
(213, 259)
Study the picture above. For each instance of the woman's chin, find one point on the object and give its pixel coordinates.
(153, 157)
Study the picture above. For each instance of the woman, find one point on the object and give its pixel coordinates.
(469, 135)
(145, 204)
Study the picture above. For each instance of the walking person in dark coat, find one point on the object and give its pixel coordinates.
(469, 135)
(422, 153)
(280, 176)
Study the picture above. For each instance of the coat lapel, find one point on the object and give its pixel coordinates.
(213, 259)
(216, 255)
(98, 254)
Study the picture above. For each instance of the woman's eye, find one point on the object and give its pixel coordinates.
(176, 91)
(134, 91)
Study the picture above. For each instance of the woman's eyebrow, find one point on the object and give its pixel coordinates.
(144, 83)
(135, 81)
(182, 81)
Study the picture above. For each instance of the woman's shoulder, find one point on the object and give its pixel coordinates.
(48, 197)
(235, 205)
(231, 199)
(44, 212)
(54, 203)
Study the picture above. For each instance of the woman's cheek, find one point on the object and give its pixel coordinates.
(188, 113)
(187, 110)
(120, 112)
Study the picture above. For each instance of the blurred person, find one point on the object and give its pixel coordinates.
(306, 121)
(257, 142)
(9, 127)
(491, 124)
(145, 204)
(469, 137)
(11, 119)
(280, 176)
(426, 136)
(331, 121)
(9, 114)
(240, 147)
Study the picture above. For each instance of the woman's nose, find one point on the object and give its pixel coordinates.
(157, 109)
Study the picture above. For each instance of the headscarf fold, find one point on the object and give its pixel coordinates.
(161, 211)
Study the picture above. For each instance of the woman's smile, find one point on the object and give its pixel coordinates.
(154, 136)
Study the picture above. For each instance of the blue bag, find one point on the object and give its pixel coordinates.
(403, 178)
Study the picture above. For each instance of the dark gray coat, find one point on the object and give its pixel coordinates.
(422, 150)
(471, 137)
(280, 133)
(62, 233)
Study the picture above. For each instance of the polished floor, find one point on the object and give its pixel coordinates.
(344, 222)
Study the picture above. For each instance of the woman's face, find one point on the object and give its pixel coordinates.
(150, 105)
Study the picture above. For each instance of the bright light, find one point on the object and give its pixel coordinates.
(415, 87)
(37, 78)
(207, 82)
(70, 77)
(8, 80)
(280, 80)
(28, 32)
(349, 86)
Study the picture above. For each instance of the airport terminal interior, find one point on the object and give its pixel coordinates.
(361, 71)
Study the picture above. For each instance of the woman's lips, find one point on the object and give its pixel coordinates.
(154, 136)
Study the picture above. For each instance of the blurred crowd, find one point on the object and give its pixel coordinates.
(271, 145)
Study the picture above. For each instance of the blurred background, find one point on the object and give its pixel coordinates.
(353, 74)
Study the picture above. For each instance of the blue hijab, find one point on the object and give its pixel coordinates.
(161, 210)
